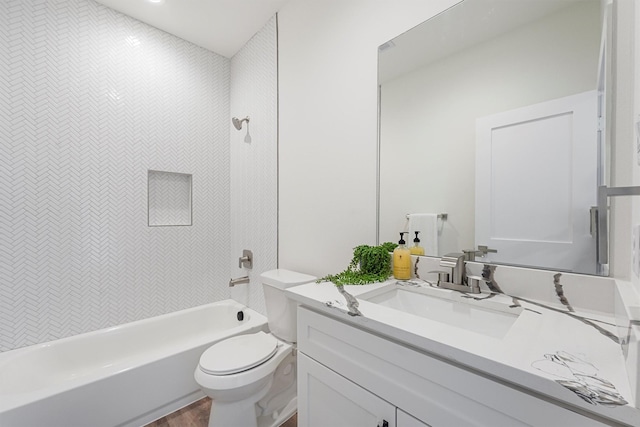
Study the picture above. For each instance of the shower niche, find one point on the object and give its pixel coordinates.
(169, 199)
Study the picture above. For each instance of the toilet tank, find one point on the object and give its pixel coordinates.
(281, 311)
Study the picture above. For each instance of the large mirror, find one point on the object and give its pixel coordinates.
(491, 118)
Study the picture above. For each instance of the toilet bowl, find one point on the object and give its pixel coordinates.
(252, 378)
(236, 386)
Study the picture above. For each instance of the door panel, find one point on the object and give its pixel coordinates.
(536, 181)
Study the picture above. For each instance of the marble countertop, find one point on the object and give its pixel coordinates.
(565, 353)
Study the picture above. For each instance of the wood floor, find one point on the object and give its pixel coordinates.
(197, 415)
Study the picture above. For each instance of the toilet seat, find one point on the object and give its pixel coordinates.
(232, 382)
(239, 353)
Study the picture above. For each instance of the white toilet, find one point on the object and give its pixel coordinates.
(252, 378)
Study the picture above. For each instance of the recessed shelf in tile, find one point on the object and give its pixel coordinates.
(169, 198)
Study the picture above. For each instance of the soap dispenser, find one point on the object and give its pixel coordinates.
(401, 261)
(416, 249)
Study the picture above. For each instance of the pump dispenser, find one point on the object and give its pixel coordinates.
(401, 261)
(416, 249)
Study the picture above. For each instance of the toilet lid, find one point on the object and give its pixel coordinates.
(239, 353)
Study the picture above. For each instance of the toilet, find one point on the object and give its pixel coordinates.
(252, 378)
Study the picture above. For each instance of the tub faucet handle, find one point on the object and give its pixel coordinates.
(246, 260)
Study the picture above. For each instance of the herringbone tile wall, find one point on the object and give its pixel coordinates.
(89, 101)
(254, 172)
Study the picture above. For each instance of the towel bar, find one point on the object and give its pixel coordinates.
(442, 216)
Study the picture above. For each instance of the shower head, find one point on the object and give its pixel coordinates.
(237, 123)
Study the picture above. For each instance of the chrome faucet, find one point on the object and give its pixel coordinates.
(456, 278)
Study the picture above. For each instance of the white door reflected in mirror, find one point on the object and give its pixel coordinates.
(536, 182)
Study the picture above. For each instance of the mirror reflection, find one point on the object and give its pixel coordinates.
(489, 114)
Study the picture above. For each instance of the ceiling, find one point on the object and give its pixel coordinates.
(222, 26)
(466, 24)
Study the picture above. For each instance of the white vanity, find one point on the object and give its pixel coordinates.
(509, 361)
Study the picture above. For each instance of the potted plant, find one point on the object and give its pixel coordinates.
(369, 264)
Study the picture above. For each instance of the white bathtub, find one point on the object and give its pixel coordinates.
(127, 375)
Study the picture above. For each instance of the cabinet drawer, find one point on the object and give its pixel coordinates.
(328, 399)
(434, 391)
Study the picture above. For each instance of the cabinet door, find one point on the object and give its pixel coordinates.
(406, 420)
(328, 399)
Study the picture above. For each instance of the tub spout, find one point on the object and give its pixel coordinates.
(238, 281)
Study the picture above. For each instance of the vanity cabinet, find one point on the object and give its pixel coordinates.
(345, 371)
(332, 400)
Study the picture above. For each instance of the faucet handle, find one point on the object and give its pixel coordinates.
(443, 276)
(474, 283)
(246, 260)
(486, 249)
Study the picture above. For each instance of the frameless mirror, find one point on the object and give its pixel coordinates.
(491, 113)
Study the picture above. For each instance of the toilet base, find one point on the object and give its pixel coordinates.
(241, 414)
(236, 414)
(277, 419)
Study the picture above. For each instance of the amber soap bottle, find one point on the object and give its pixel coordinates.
(402, 260)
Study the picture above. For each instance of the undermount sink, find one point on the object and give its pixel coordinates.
(488, 317)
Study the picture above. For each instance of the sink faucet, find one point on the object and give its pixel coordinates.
(456, 278)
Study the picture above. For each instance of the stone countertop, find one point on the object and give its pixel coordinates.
(564, 353)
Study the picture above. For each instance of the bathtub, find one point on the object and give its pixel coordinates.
(128, 375)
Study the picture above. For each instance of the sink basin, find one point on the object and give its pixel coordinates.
(485, 317)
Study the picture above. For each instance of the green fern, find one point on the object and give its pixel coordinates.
(369, 264)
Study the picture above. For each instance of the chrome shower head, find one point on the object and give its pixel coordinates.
(237, 123)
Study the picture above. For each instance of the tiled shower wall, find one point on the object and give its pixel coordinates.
(254, 173)
(89, 101)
